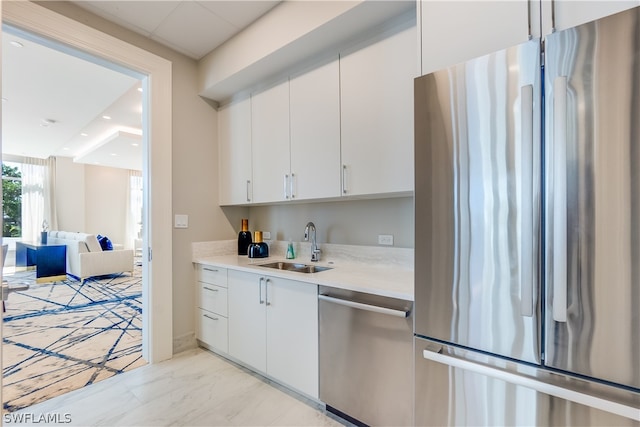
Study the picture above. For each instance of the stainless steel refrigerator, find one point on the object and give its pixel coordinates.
(527, 246)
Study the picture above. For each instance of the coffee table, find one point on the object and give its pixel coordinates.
(50, 260)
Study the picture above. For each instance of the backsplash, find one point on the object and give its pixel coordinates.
(401, 257)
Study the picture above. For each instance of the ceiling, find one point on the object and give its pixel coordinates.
(54, 102)
(191, 27)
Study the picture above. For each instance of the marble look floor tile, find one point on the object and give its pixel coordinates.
(195, 388)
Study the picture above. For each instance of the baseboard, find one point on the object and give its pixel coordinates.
(184, 342)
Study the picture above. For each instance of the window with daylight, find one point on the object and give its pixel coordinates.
(27, 196)
(11, 200)
(134, 220)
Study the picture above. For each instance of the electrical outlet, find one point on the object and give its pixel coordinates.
(385, 239)
(266, 235)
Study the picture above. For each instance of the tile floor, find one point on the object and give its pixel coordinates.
(195, 388)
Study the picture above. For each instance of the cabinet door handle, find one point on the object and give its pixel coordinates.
(260, 289)
(266, 291)
(248, 184)
(344, 179)
(530, 36)
(291, 193)
(285, 185)
(553, 16)
(210, 289)
(209, 317)
(214, 270)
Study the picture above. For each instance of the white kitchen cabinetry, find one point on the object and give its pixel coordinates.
(273, 328)
(376, 84)
(234, 153)
(315, 133)
(247, 326)
(455, 31)
(211, 307)
(565, 14)
(270, 144)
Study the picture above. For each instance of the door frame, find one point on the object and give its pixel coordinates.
(157, 314)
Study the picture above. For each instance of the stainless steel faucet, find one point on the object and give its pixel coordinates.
(315, 251)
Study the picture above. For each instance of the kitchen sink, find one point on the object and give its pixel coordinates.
(294, 266)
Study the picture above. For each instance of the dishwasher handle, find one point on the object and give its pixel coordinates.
(366, 307)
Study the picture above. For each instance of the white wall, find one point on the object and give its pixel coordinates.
(91, 199)
(70, 190)
(105, 209)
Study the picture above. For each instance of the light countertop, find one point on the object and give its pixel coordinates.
(390, 279)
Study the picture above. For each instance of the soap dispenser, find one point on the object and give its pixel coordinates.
(290, 253)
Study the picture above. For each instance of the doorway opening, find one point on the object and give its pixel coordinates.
(157, 264)
(72, 158)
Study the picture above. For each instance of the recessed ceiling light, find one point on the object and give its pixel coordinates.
(84, 134)
(106, 117)
(139, 89)
(65, 148)
(113, 154)
(47, 122)
(15, 43)
(135, 144)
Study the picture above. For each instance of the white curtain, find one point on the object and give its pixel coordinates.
(38, 197)
(134, 209)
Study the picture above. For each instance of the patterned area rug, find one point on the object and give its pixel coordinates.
(62, 336)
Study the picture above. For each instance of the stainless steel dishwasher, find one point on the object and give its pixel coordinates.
(366, 357)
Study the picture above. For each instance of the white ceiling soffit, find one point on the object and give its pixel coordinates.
(363, 20)
(121, 149)
(50, 97)
(191, 27)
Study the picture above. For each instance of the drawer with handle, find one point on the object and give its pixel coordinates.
(213, 275)
(211, 329)
(212, 298)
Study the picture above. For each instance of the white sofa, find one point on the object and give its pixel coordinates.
(85, 257)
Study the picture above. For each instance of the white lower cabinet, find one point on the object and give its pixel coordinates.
(211, 307)
(273, 328)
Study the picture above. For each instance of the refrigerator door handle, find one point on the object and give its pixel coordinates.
(532, 383)
(526, 193)
(559, 199)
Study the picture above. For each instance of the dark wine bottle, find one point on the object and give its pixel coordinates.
(244, 238)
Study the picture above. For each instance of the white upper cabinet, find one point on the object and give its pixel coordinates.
(270, 144)
(376, 83)
(234, 153)
(315, 133)
(563, 14)
(455, 31)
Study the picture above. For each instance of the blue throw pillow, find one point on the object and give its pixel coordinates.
(105, 243)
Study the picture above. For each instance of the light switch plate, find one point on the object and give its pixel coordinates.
(181, 221)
